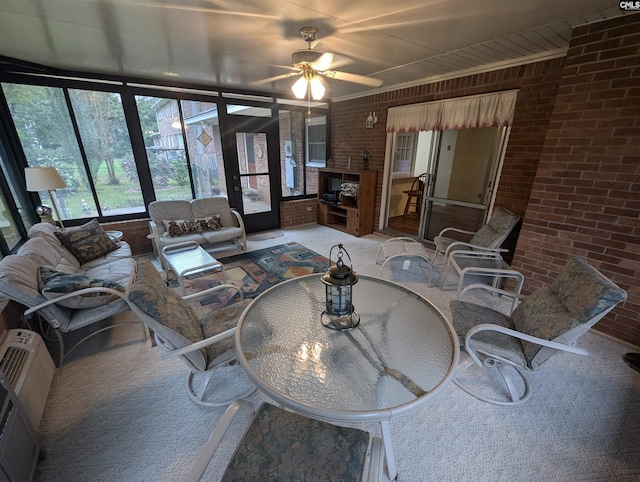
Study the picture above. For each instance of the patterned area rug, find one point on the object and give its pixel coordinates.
(256, 271)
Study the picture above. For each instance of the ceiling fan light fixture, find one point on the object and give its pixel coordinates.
(299, 88)
(317, 88)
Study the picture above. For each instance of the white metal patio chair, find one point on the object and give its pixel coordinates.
(205, 344)
(545, 323)
(488, 238)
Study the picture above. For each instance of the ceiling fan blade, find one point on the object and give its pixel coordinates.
(330, 61)
(276, 78)
(288, 67)
(355, 78)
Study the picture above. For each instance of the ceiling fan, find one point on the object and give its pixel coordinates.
(312, 65)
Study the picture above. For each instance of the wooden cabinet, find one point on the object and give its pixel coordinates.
(347, 200)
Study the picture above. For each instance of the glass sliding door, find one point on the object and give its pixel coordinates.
(462, 179)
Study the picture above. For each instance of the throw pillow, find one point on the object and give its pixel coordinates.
(87, 242)
(177, 227)
(54, 284)
(212, 223)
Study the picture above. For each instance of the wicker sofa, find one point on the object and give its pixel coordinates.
(210, 222)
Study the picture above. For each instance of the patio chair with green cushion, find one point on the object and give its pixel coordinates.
(283, 445)
(205, 344)
(545, 323)
(488, 238)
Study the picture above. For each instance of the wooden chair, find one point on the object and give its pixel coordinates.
(414, 195)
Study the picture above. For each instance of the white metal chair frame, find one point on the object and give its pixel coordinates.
(402, 247)
(85, 291)
(489, 360)
(227, 359)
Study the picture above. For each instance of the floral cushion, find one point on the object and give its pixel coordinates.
(576, 296)
(492, 234)
(465, 316)
(54, 284)
(583, 291)
(167, 314)
(179, 227)
(87, 242)
(284, 445)
(218, 321)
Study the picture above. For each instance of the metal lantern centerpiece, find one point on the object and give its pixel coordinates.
(339, 313)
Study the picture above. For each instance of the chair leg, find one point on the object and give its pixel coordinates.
(197, 396)
(491, 363)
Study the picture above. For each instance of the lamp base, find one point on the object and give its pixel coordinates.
(47, 218)
(340, 323)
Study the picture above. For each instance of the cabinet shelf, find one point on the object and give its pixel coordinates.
(355, 212)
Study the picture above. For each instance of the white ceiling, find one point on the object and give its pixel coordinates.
(233, 43)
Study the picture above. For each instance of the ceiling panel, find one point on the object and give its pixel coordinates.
(231, 44)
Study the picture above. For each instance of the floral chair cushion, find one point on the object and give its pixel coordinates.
(583, 291)
(466, 315)
(168, 315)
(53, 284)
(284, 445)
(218, 321)
(492, 234)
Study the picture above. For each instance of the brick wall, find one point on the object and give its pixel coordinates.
(585, 199)
(537, 84)
(297, 212)
(572, 162)
(135, 233)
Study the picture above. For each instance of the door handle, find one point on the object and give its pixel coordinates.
(236, 188)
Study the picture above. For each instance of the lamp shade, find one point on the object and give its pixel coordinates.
(43, 179)
(317, 88)
(299, 88)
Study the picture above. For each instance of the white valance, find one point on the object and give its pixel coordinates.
(486, 110)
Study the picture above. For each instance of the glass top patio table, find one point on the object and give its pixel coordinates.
(401, 354)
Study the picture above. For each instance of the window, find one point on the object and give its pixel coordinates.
(405, 153)
(299, 176)
(113, 168)
(317, 141)
(91, 164)
(167, 161)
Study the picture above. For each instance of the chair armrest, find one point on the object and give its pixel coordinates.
(240, 225)
(238, 218)
(522, 336)
(73, 294)
(209, 450)
(213, 289)
(496, 291)
(461, 245)
(456, 230)
(200, 344)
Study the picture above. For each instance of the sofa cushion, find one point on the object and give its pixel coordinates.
(174, 209)
(87, 242)
(47, 232)
(213, 206)
(53, 284)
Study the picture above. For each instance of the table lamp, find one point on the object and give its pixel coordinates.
(339, 313)
(45, 179)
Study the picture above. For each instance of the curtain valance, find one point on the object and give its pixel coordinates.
(486, 110)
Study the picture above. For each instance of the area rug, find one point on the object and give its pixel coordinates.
(256, 271)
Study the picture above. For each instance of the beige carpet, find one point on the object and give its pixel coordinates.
(117, 412)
